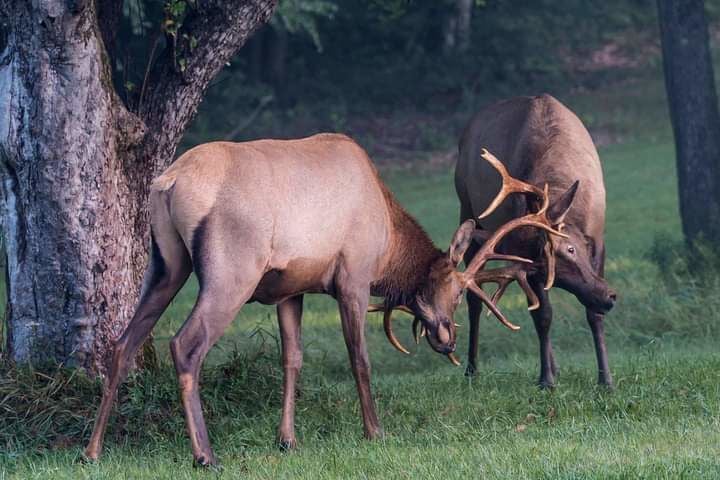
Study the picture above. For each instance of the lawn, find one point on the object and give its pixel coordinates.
(662, 421)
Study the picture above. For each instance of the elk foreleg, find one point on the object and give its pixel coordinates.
(542, 318)
(474, 311)
(597, 326)
(289, 318)
(165, 275)
(353, 302)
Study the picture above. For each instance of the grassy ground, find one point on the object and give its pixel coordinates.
(662, 421)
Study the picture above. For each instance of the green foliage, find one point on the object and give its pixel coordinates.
(301, 17)
(685, 266)
(380, 59)
(175, 11)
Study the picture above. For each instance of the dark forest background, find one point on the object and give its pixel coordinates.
(403, 76)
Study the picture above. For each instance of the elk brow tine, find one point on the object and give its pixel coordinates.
(416, 335)
(404, 309)
(387, 325)
(502, 286)
(376, 307)
(486, 300)
(529, 293)
(380, 307)
(453, 359)
(549, 251)
(508, 258)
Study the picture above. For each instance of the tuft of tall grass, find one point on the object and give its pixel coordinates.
(41, 411)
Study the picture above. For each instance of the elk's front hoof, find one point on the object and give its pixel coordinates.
(206, 462)
(609, 386)
(470, 370)
(375, 434)
(287, 444)
(90, 455)
(547, 384)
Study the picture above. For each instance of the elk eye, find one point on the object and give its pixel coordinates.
(571, 249)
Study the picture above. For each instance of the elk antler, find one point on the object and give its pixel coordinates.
(387, 322)
(387, 326)
(510, 185)
(503, 276)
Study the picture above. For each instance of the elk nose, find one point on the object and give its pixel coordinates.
(613, 296)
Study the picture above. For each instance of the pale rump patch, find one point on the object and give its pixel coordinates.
(163, 182)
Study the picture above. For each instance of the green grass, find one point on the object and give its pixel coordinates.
(662, 421)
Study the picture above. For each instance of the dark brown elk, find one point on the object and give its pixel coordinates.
(540, 142)
(269, 221)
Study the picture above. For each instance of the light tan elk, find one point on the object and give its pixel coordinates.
(269, 221)
(543, 143)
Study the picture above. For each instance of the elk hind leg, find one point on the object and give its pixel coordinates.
(168, 269)
(224, 287)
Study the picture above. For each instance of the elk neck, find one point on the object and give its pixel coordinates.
(410, 255)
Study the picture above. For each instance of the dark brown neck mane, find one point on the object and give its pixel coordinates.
(410, 257)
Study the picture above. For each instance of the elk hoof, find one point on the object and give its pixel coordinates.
(375, 434)
(609, 385)
(470, 370)
(288, 444)
(206, 462)
(546, 385)
(87, 458)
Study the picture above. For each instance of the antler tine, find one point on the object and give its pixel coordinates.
(503, 277)
(549, 252)
(538, 219)
(380, 307)
(510, 185)
(387, 325)
(493, 308)
(487, 252)
(387, 322)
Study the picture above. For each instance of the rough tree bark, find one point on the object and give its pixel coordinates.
(76, 165)
(694, 114)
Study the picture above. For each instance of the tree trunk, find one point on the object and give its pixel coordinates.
(76, 166)
(464, 23)
(449, 33)
(277, 62)
(694, 115)
(457, 27)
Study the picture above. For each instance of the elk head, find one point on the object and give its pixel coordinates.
(570, 260)
(436, 300)
(577, 272)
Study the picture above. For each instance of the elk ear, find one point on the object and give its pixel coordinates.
(560, 207)
(461, 241)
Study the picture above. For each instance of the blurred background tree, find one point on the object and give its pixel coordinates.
(693, 102)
